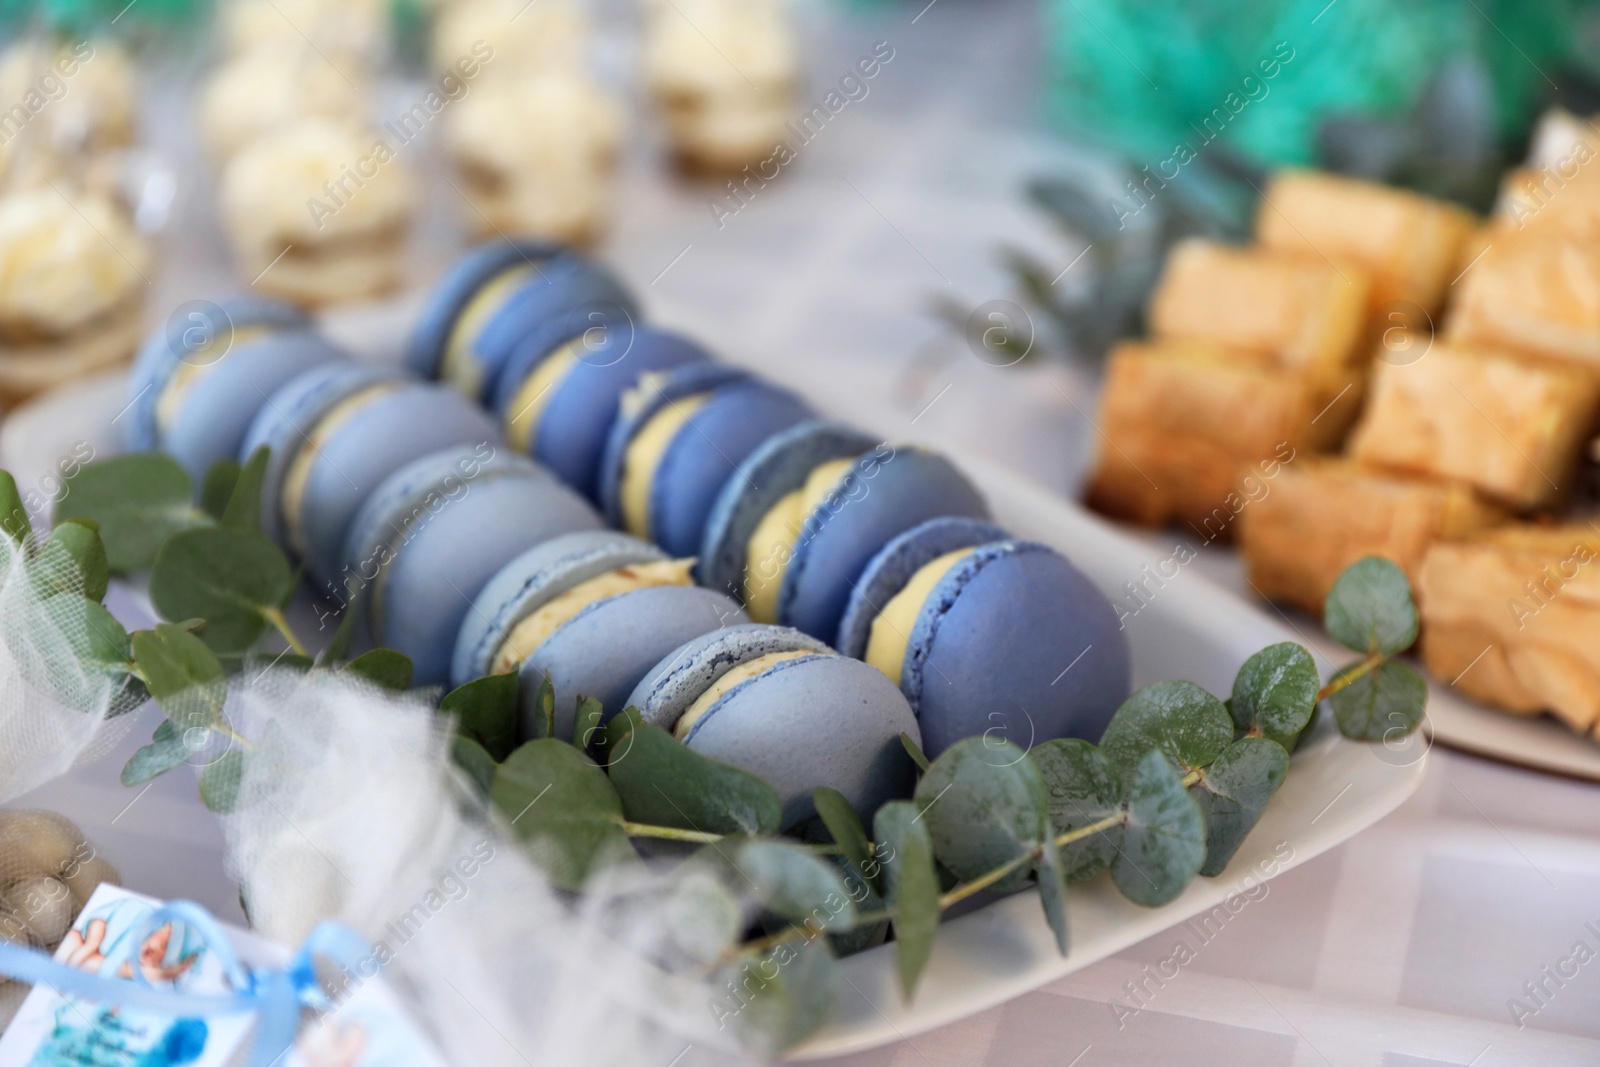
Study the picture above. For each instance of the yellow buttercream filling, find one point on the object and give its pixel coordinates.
(298, 476)
(643, 459)
(457, 367)
(533, 395)
(537, 628)
(742, 673)
(891, 630)
(776, 536)
(190, 370)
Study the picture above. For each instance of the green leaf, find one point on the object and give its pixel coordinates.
(1084, 789)
(72, 558)
(13, 513)
(486, 712)
(1233, 794)
(384, 667)
(184, 676)
(664, 783)
(1165, 841)
(563, 808)
(220, 781)
(1370, 609)
(700, 913)
(586, 722)
(777, 999)
(475, 763)
(544, 709)
(614, 742)
(229, 578)
(911, 886)
(216, 488)
(165, 751)
(1052, 879)
(984, 804)
(243, 512)
(1181, 720)
(1276, 692)
(96, 636)
(914, 750)
(339, 647)
(1385, 704)
(840, 817)
(795, 884)
(139, 500)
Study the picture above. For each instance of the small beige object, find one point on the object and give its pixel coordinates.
(1512, 618)
(270, 87)
(34, 843)
(73, 275)
(510, 38)
(1513, 429)
(318, 212)
(554, 182)
(349, 32)
(72, 99)
(724, 74)
(45, 905)
(1183, 423)
(84, 877)
(1320, 515)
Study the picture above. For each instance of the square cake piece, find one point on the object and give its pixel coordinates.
(1182, 423)
(1322, 514)
(1513, 428)
(1407, 243)
(1535, 291)
(1512, 618)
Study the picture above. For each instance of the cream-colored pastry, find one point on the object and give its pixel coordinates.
(1536, 293)
(724, 74)
(268, 88)
(73, 276)
(510, 38)
(73, 99)
(349, 32)
(318, 212)
(553, 180)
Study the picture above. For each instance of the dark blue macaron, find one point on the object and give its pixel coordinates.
(558, 404)
(999, 637)
(431, 536)
(697, 423)
(595, 611)
(849, 510)
(454, 292)
(336, 432)
(785, 707)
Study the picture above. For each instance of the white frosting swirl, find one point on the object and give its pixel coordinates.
(65, 262)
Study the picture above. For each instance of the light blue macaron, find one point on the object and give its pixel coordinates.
(452, 293)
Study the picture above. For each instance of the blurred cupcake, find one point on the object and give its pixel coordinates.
(345, 31)
(523, 39)
(67, 107)
(270, 87)
(551, 178)
(724, 73)
(72, 283)
(317, 212)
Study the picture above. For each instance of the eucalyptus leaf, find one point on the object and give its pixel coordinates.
(165, 751)
(1385, 704)
(96, 637)
(216, 488)
(985, 805)
(614, 741)
(795, 884)
(486, 711)
(911, 885)
(475, 763)
(72, 559)
(13, 513)
(1165, 841)
(777, 999)
(702, 915)
(1179, 719)
(544, 705)
(1052, 879)
(586, 722)
(384, 667)
(184, 676)
(230, 578)
(1275, 692)
(1084, 789)
(840, 817)
(1234, 792)
(220, 782)
(339, 646)
(563, 808)
(139, 501)
(243, 512)
(1369, 608)
(664, 783)
(914, 750)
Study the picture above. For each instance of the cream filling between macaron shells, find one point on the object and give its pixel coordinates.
(890, 634)
(457, 366)
(298, 475)
(744, 672)
(191, 368)
(643, 459)
(528, 404)
(532, 631)
(777, 536)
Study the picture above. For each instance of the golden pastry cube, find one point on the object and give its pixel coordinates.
(1406, 243)
(1512, 618)
(1533, 293)
(1322, 514)
(1512, 428)
(1182, 423)
(1541, 201)
(1303, 311)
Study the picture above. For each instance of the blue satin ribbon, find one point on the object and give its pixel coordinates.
(276, 997)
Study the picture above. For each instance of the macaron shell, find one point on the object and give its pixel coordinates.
(778, 467)
(869, 509)
(453, 292)
(675, 683)
(610, 646)
(436, 575)
(1015, 642)
(815, 721)
(543, 572)
(892, 568)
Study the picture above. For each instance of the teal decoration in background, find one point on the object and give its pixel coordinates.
(85, 18)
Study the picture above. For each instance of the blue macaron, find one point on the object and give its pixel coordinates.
(679, 438)
(988, 635)
(558, 404)
(507, 260)
(790, 710)
(797, 524)
(593, 611)
(335, 433)
(432, 535)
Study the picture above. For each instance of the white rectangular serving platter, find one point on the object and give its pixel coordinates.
(1190, 628)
